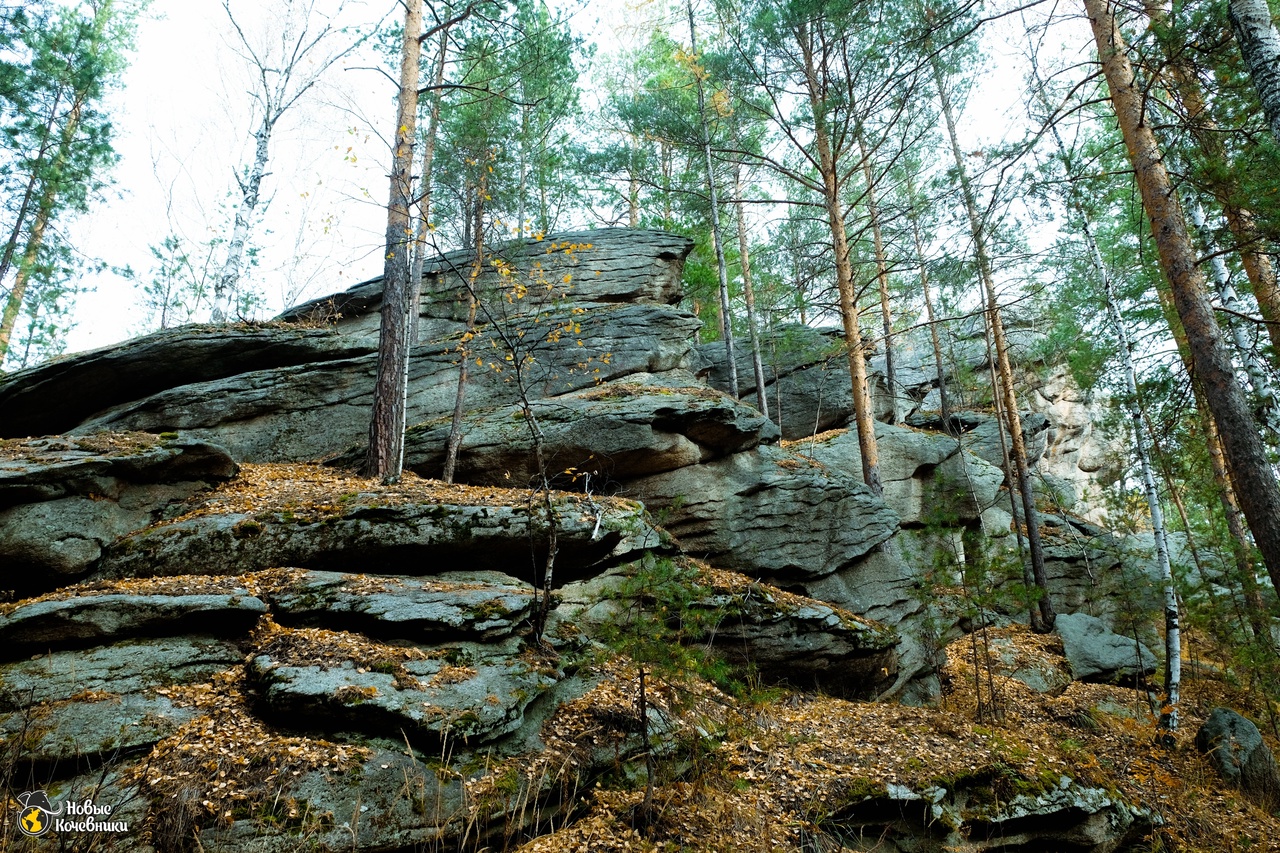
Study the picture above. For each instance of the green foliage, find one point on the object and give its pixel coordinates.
(57, 65)
(656, 624)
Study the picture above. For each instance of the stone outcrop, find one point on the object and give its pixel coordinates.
(188, 587)
(928, 478)
(1097, 654)
(615, 431)
(1065, 816)
(808, 386)
(743, 512)
(63, 501)
(1235, 748)
(381, 534)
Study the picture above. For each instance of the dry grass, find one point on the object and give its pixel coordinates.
(788, 765)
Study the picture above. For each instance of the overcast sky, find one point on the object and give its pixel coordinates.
(184, 127)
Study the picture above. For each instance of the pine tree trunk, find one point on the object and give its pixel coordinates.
(385, 459)
(26, 266)
(1251, 473)
(29, 191)
(1260, 46)
(1005, 370)
(49, 190)
(757, 363)
(726, 317)
(1258, 267)
(882, 279)
(863, 416)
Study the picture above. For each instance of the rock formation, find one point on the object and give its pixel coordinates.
(200, 591)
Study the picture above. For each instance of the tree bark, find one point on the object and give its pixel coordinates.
(385, 459)
(424, 193)
(49, 190)
(1005, 370)
(1251, 473)
(1134, 408)
(863, 416)
(1260, 46)
(762, 397)
(1268, 405)
(1241, 545)
(882, 280)
(1257, 265)
(1133, 405)
(726, 318)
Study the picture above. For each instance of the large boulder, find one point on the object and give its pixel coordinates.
(1060, 814)
(58, 395)
(770, 514)
(322, 408)
(60, 623)
(423, 529)
(1236, 750)
(63, 501)
(614, 432)
(558, 315)
(929, 479)
(1097, 654)
(607, 265)
(342, 682)
(456, 605)
(792, 639)
(765, 632)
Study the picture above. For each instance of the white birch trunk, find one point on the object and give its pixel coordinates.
(1260, 46)
(762, 396)
(726, 319)
(1269, 408)
(224, 291)
(1133, 408)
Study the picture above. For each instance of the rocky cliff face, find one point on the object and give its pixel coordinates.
(238, 641)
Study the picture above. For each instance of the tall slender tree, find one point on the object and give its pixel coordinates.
(1004, 368)
(306, 45)
(1246, 457)
(713, 200)
(385, 458)
(60, 136)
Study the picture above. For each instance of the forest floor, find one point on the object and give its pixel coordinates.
(792, 767)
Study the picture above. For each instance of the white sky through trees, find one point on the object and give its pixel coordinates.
(183, 127)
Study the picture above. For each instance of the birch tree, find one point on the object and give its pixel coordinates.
(1255, 32)
(1133, 405)
(306, 44)
(1251, 473)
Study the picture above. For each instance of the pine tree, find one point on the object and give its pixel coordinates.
(57, 135)
(385, 459)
